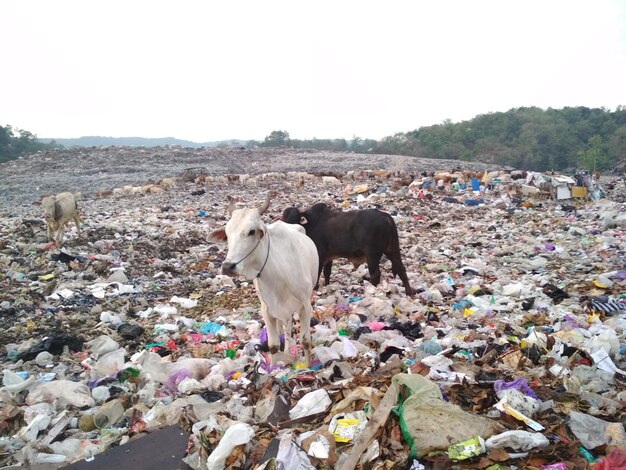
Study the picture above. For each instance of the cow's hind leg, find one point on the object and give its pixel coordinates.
(397, 268)
(373, 266)
(305, 330)
(327, 269)
(77, 221)
(319, 272)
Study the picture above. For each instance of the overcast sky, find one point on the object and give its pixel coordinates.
(208, 70)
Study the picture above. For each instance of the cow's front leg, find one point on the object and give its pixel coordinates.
(288, 331)
(273, 338)
(59, 234)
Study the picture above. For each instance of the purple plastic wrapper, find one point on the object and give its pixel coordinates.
(554, 466)
(269, 368)
(175, 378)
(517, 384)
(263, 337)
(570, 323)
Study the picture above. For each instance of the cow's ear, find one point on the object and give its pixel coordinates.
(218, 235)
(303, 220)
(261, 233)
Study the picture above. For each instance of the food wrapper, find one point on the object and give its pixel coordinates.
(345, 430)
(504, 406)
(554, 466)
(467, 449)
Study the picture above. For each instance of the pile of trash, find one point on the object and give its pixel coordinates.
(511, 354)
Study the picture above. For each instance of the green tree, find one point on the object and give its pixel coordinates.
(595, 156)
(277, 139)
(356, 144)
(617, 145)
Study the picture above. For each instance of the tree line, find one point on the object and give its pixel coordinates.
(526, 138)
(17, 142)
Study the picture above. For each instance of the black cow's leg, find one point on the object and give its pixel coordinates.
(327, 269)
(398, 270)
(319, 272)
(373, 266)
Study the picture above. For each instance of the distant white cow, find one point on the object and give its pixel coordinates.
(58, 211)
(282, 261)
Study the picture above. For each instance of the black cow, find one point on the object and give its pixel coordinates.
(360, 236)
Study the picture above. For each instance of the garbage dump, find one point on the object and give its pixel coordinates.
(510, 354)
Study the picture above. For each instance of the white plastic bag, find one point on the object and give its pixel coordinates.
(110, 363)
(236, 435)
(184, 303)
(518, 440)
(102, 345)
(310, 404)
(61, 392)
(13, 383)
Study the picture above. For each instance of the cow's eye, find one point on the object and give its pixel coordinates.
(251, 232)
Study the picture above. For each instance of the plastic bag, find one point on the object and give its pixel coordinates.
(100, 394)
(310, 404)
(108, 414)
(184, 303)
(13, 383)
(61, 392)
(616, 460)
(176, 378)
(518, 441)
(236, 435)
(101, 345)
(593, 432)
(517, 384)
(291, 456)
(429, 423)
(110, 363)
(325, 355)
(39, 423)
(349, 350)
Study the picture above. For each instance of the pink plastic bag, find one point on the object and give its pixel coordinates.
(616, 460)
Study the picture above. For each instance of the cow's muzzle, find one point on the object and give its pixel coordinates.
(229, 268)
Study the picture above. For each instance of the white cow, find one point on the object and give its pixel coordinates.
(58, 211)
(282, 261)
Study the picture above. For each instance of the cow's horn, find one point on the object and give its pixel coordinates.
(263, 207)
(231, 204)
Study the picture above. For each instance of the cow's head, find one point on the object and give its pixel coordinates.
(243, 232)
(292, 215)
(51, 211)
(308, 218)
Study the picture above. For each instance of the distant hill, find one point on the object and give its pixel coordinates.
(99, 141)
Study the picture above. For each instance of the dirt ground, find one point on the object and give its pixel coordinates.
(88, 170)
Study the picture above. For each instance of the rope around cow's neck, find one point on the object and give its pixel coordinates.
(269, 243)
(252, 251)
